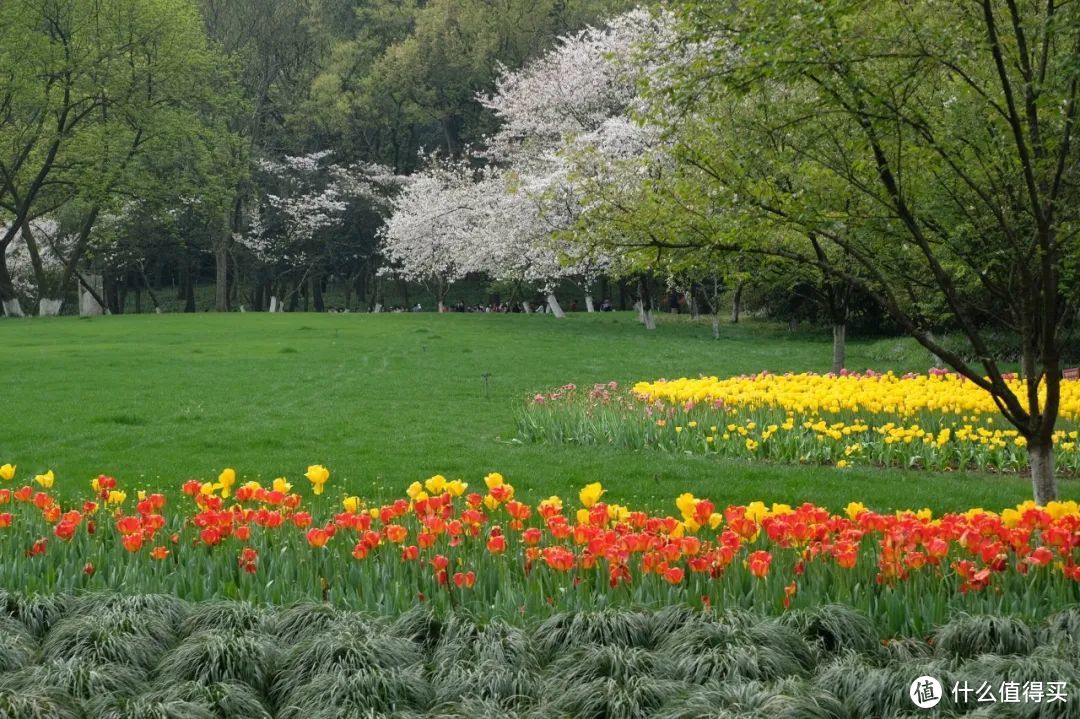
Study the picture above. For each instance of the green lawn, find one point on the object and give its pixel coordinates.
(387, 399)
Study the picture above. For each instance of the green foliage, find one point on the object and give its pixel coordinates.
(227, 616)
(566, 631)
(822, 663)
(968, 636)
(114, 635)
(835, 627)
(38, 612)
(39, 703)
(742, 649)
(78, 677)
(222, 656)
(225, 699)
(17, 645)
(349, 646)
(114, 707)
(337, 693)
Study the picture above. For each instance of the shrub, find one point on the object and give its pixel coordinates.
(211, 657)
(968, 636)
(116, 635)
(80, 677)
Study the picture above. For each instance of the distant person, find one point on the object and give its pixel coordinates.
(417, 308)
(605, 306)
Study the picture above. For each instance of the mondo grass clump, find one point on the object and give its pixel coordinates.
(154, 657)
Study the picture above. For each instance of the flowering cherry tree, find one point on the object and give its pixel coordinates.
(564, 117)
(309, 197)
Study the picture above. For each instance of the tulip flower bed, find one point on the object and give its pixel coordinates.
(446, 547)
(937, 421)
(160, 657)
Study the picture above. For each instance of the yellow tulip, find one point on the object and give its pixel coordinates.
(456, 488)
(252, 486)
(7, 472)
(583, 516)
(46, 480)
(317, 473)
(318, 476)
(351, 504)
(490, 502)
(436, 484)
(854, 509)
(756, 511)
(687, 504)
(715, 519)
(282, 485)
(116, 497)
(414, 490)
(493, 480)
(1010, 518)
(590, 494)
(226, 480)
(553, 502)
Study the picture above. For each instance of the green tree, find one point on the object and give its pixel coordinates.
(928, 144)
(89, 91)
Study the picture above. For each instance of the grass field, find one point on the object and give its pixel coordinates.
(383, 400)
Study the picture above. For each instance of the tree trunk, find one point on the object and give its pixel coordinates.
(274, 304)
(526, 307)
(553, 304)
(716, 327)
(645, 303)
(48, 307)
(589, 306)
(9, 301)
(695, 308)
(1041, 458)
(221, 276)
(315, 285)
(42, 282)
(187, 287)
(736, 304)
(839, 336)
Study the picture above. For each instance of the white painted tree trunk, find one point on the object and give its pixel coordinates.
(88, 305)
(589, 306)
(695, 308)
(276, 305)
(378, 307)
(553, 304)
(640, 308)
(716, 327)
(839, 335)
(650, 320)
(526, 308)
(12, 308)
(1041, 458)
(48, 307)
(442, 307)
(157, 310)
